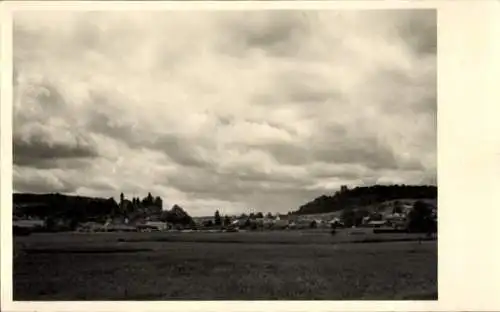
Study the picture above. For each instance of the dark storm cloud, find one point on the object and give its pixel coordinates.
(50, 163)
(36, 143)
(39, 151)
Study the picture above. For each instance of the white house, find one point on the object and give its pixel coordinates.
(32, 223)
(280, 223)
(160, 226)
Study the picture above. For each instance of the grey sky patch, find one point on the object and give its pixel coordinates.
(275, 33)
(104, 186)
(109, 126)
(49, 97)
(279, 41)
(252, 192)
(288, 128)
(41, 186)
(367, 152)
(43, 181)
(182, 151)
(419, 30)
(289, 154)
(345, 172)
(297, 93)
(51, 163)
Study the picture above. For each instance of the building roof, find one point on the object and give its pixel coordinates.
(377, 222)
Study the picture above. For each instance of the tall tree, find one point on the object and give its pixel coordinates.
(420, 218)
(148, 200)
(158, 202)
(217, 220)
(227, 220)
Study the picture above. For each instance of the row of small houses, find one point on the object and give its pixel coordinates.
(309, 221)
(109, 227)
(262, 223)
(297, 222)
(21, 226)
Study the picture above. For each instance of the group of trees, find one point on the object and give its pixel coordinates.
(63, 206)
(353, 217)
(256, 215)
(57, 209)
(147, 201)
(419, 219)
(176, 215)
(70, 209)
(219, 221)
(226, 220)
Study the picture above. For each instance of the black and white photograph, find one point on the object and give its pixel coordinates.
(266, 154)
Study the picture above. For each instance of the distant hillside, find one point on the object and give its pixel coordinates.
(63, 206)
(81, 209)
(365, 197)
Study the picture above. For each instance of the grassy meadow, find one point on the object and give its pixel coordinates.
(289, 265)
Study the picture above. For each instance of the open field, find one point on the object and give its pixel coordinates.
(227, 266)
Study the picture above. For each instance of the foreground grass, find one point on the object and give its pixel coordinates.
(143, 267)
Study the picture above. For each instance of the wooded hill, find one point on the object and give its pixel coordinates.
(366, 196)
(63, 206)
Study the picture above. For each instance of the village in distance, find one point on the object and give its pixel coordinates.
(340, 246)
(393, 208)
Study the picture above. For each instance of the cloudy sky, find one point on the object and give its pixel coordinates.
(237, 111)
